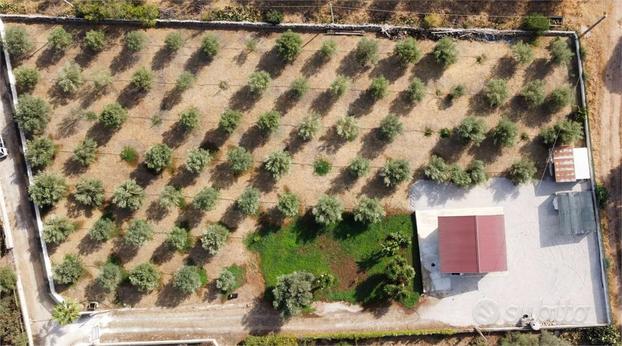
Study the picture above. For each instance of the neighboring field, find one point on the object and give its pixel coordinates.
(159, 115)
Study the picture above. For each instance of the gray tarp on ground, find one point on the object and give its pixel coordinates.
(576, 212)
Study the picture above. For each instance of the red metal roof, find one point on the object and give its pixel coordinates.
(472, 244)
(563, 164)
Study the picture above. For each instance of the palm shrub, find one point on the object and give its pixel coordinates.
(533, 93)
(240, 160)
(415, 91)
(56, 229)
(102, 79)
(477, 172)
(299, 87)
(407, 51)
(391, 127)
(17, 42)
(559, 98)
(437, 170)
(472, 129)
(66, 312)
(142, 79)
(269, 122)
(505, 133)
(47, 189)
(289, 45)
(496, 92)
(378, 87)
(210, 46)
(138, 233)
(368, 210)
(248, 202)
(197, 160)
(445, 52)
(564, 132)
(288, 204)
(293, 293)
(214, 238)
(522, 53)
(206, 199)
(145, 277)
(328, 49)
(278, 163)
(322, 166)
(135, 41)
(41, 152)
(173, 41)
(522, 171)
(128, 195)
(103, 229)
(394, 172)
(347, 128)
(171, 197)
(339, 86)
(26, 78)
(258, 82)
(358, 167)
(32, 114)
(95, 40)
(229, 120)
(189, 119)
(89, 192)
(327, 211)
(179, 239)
(110, 277)
(69, 78)
(69, 270)
(158, 157)
(309, 127)
(366, 52)
(86, 152)
(128, 154)
(459, 177)
(187, 279)
(113, 115)
(560, 52)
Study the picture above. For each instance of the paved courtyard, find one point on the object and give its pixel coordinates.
(553, 277)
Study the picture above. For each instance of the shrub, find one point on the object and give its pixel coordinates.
(26, 79)
(138, 233)
(239, 159)
(95, 40)
(293, 293)
(273, 16)
(102, 80)
(32, 114)
(536, 22)
(607, 335)
(432, 20)
(86, 152)
(184, 81)
(398, 271)
(327, 211)
(328, 49)
(197, 160)
(258, 82)
(214, 238)
(110, 277)
(229, 120)
(358, 167)
(89, 192)
(564, 132)
(369, 210)
(445, 132)
(559, 98)
(248, 202)
(456, 92)
(522, 171)
(472, 129)
(129, 154)
(93, 10)
(505, 133)
(278, 163)
(407, 51)
(269, 122)
(187, 279)
(391, 127)
(142, 79)
(339, 86)
(459, 177)
(8, 280)
(179, 239)
(158, 157)
(309, 127)
(47, 189)
(226, 282)
(251, 44)
(366, 52)
(66, 312)
(533, 93)
(289, 45)
(378, 87)
(103, 229)
(347, 128)
(477, 172)
(70, 78)
(206, 199)
(445, 52)
(299, 87)
(602, 195)
(41, 152)
(189, 119)
(322, 166)
(145, 277)
(522, 53)
(113, 115)
(171, 197)
(17, 42)
(128, 195)
(135, 41)
(560, 52)
(395, 172)
(416, 90)
(210, 46)
(496, 92)
(69, 271)
(437, 170)
(288, 204)
(56, 229)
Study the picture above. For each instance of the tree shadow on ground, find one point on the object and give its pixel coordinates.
(163, 253)
(68, 125)
(375, 188)
(294, 143)
(84, 58)
(214, 139)
(183, 178)
(175, 135)
(100, 134)
(285, 101)
(401, 105)
(48, 57)
(57, 97)
(161, 58)
(73, 167)
(487, 151)
(262, 318)
(332, 141)
(342, 182)
(88, 245)
(196, 62)
(190, 216)
(450, 148)
(95, 292)
(538, 69)
(478, 104)
(221, 176)
(390, 68)
(171, 99)
(128, 295)
(243, 99)
(323, 103)
(505, 68)
(143, 175)
(372, 144)
(91, 95)
(362, 105)
(75, 209)
(212, 293)
(272, 63)
(155, 212)
(123, 251)
(122, 61)
(262, 180)
(232, 217)
(130, 96)
(197, 255)
(253, 138)
(169, 296)
(349, 66)
(313, 64)
(427, 69)
(306, 228)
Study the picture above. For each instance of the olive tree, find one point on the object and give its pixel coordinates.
(189, 119)
(239, 159)
(226, 282)
(445, 52)
(472, 129)
(293, 293)
(560, 52)
(86, 152)
(299, 87)
(358, 167)
(47, 189)
(16, 41)
(206, 199)
(407, 51)
(171, 197)
(214, 238)
(128, 195)
(390, 127)
(187, 279)
(32, 114)
(69, 78)
(289, 45)
(496, 92)
(103, 229)
(564, 132)
(522, 53)
(477, 172)
(278, 163)
(339, 86)
(327, 211)
(56, 229)
(113, 115)
(368, 210)
(210, 46)
(158, 157)
(197, 160)
(41, 152)
(142, 79)
(66, 312)
(89, 192)
(179, 239)
(184, 81)
(248, 202)
(258, 82)
(394, 172)
(347, 129)
(559, 98)
(288, 204)
(138, 233)
(69, 270)
(95, 40)
(533, 93)
(328, 49)
(459, 177)
(268, 122)
(308, 128)
(145, 277)
(437, 170)
(378, 87)
(173, 41)
(229, 120)
(110, 277)
(505, 133)
(416, 90)
(26, 78)
(522, 171)
(135, 41)
(366, 52)
(102, 80)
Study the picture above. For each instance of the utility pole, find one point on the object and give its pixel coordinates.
(594, 25)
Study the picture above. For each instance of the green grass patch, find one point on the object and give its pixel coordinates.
(348, 250)
(239, 273)
(202, 276)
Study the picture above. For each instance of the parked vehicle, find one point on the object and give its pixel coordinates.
(3, 152)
